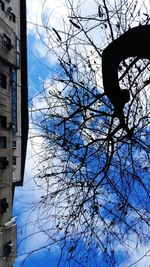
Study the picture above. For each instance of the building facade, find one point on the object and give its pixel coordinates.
(13, 118)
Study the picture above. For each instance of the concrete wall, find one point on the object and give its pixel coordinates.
(8, 239)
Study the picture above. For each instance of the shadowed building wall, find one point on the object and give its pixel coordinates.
(13, 118)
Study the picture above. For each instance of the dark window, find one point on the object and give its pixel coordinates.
(12, 17)
(3, 81)
(3, 141)
(3, 205)
(2, 5)
(3, 163)
(3, 122)
(7, 249)
(14, 160)
(14, 144)
(14, 100)
(7, 41)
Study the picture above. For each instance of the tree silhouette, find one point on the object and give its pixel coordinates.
(133, 43)
(93, 171)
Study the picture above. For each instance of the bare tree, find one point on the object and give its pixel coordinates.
(93, 171)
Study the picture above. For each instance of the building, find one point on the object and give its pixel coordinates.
(13, 118)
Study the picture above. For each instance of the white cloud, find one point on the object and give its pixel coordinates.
(40, 13)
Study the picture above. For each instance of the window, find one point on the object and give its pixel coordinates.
(3, 122)
(3, 81)
(2, 5)
(12, 17)
(7, 249)
(3, 163)
(14, 144)
(14, 100)
(3, 141)
(14, 160)
(3, 205)
(7, 41)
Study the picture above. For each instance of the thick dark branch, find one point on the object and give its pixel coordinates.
(133, 43)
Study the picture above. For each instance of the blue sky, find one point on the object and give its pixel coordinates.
(26, 197)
